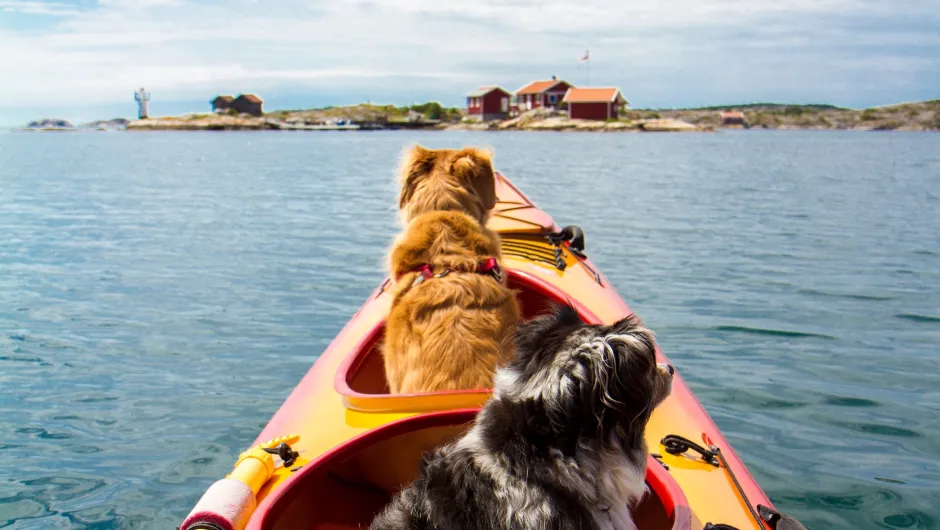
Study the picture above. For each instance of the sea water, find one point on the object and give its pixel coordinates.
(162, 293)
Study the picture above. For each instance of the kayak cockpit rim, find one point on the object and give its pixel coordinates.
(301, 502)
(360, 378)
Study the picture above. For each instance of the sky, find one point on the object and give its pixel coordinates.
(83, 59)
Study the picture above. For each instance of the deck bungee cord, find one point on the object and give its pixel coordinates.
(764, 516)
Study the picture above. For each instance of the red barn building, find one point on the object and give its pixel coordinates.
(594, 103)
(248, 104)
(488, 102)
(537, 94)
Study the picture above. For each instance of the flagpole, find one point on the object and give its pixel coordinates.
(586, 59)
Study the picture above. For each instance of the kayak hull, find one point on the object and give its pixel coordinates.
(344, 416)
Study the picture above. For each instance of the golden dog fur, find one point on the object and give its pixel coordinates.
(446, 333)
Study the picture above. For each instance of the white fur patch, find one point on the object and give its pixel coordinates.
(618, 485)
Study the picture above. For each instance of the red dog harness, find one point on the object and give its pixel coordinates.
(489, 267)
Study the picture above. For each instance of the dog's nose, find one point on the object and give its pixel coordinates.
(668, 368)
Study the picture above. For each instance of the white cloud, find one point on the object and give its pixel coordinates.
(183, 47)
(137, 3)
(30, 7)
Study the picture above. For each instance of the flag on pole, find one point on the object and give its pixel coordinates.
(586, 56)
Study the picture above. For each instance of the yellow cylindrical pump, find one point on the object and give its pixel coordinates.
(228, 503)
(256, 465)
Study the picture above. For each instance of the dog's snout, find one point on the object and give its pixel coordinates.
(668, 367)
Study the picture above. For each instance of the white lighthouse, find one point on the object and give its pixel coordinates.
(142, 98)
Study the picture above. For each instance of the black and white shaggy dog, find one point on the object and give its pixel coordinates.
(559, 446)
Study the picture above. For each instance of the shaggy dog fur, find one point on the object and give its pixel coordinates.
(559, 446)
(447, 332)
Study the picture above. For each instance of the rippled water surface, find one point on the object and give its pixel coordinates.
(161, 293)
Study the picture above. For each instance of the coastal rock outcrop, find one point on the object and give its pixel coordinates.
(106, 125)
(50, 123)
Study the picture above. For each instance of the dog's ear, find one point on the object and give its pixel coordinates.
(632, 325)
(417, 163)
(626, 324)
(474, 167)
(624, 382)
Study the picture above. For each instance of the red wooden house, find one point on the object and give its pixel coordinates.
(594, 103)
(222, 103)
(537, 94)
(248, 104)
(732, 118)
(488, 102)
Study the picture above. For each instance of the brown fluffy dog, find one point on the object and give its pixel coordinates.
(451, 308)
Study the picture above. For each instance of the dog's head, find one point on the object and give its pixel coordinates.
(447, 179)
(593, 381)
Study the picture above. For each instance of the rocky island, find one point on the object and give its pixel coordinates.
(915, 116)
(64, 125)
(114, 124)
(49, 124)
(918, 116)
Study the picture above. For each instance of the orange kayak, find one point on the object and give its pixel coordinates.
(340, 446)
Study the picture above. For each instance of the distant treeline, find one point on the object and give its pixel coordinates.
(433, 110)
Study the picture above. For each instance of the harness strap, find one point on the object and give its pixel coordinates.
(489, 267)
